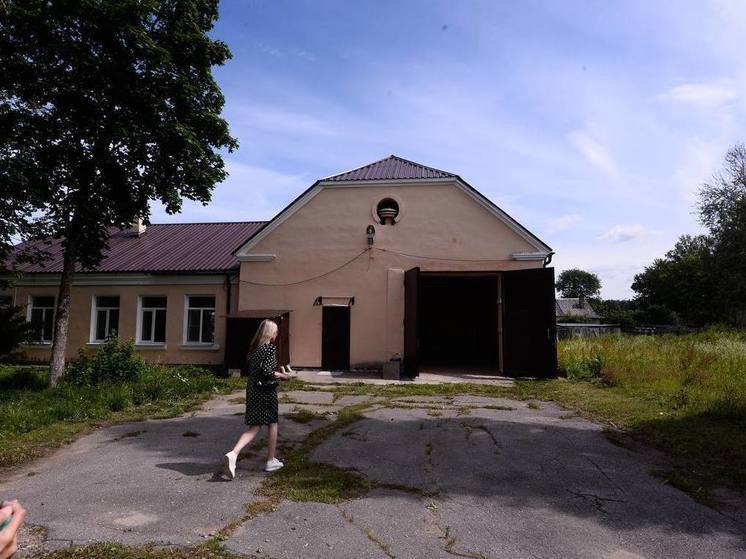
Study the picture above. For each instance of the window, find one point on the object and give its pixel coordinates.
(200, 327)
(105, 318)
(152, 320)
(41, 317)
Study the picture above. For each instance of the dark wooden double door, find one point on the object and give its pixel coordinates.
(466, 309)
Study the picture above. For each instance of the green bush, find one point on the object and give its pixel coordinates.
(115, 361)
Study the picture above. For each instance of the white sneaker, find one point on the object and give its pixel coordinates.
(229, 464)
(273, 465)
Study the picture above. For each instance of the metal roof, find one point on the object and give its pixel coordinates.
(570, 306)
(390, 168)
(162, 248)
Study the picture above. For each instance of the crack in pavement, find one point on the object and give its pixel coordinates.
(367, 531)
(597, 500)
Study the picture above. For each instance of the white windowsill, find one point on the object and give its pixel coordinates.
(200, 347)
(95, 343)
(145, 345)
(36, 344)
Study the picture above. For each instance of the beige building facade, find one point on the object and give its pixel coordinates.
(391, 263)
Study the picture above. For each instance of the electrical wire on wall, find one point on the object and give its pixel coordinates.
(351, 260)
(437, 257)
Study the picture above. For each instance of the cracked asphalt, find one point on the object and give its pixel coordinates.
(465, 477)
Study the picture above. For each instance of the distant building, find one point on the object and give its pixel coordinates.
(573, 309)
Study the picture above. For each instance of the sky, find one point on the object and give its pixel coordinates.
(592, 123)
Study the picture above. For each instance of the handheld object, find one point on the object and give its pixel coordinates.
(9, 512)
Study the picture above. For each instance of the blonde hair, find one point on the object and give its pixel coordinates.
(264, 334)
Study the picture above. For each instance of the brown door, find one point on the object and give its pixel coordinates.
(529, 324)
(411, 340)
(335, 338)
(239, 333)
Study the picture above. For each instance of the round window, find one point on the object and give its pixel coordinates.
(387, 211)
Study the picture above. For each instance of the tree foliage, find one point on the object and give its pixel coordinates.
(680, 281)
(703, 278)
(106, 105)
(13, 329)
(578, 283)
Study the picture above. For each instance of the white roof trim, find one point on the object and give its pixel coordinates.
(540, 247)
(530, 255)
(256, 257)
(116, 278)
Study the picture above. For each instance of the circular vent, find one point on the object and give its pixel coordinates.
(387, 211)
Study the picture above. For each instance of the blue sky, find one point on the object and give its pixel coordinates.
(592, 123)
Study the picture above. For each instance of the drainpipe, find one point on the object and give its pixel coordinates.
(548, 259)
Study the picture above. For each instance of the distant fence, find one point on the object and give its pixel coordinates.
(582, 330)
(576, 330)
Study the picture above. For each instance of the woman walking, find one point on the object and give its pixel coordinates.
(261, 397)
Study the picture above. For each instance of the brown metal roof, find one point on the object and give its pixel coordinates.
(164, 247)
(390, 168)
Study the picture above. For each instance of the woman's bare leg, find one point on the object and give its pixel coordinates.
(271, 441)
(246, 438)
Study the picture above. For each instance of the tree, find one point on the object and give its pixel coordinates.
(722, 209)
(13, 329)
(106, 105)
(578, 283)
(680, 281)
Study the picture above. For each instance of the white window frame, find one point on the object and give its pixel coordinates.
(94, 315)
(30, 307)
(138, 325)
(186, 320)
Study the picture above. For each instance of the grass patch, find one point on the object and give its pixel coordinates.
(37, 419)
(304, 480)
(118, 551)
(303, 415)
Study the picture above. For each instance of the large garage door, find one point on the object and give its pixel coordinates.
(529, 324)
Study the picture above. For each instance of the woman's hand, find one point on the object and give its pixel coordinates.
(282, 376)
(9, 534)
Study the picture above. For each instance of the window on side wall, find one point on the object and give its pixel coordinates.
(105, 317)
(200, 319)
(152, 320)
(41, 317)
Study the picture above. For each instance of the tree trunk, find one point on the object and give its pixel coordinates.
(62, 315)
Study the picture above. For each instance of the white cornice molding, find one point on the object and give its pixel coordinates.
(540, 255)
(256, 257)
(95, 279)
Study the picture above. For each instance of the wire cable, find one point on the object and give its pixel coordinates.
(350, 261)
(439, 258)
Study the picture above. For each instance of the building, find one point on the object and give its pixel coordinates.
(389, 262)
(576, 309)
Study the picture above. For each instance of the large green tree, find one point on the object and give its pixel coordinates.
(578, 283)
(680, 281)
(722, 209)
(106, 105)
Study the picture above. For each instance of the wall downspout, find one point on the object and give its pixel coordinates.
(548, 259)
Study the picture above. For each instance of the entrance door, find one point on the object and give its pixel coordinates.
(335, 338)
(529, 323)
(240, 331)
(411, 340)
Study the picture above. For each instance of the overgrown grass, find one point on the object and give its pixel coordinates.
(684, 394)
(36, 418)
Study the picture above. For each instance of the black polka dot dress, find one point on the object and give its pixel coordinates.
(261, 398)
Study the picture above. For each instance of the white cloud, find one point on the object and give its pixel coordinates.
(250, 193)
(625, 233)
(563, 223)
(595, 153)
(703, 94)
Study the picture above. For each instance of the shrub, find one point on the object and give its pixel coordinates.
(115, 361)
(13, 329)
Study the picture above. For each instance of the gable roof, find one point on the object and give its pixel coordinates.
(568, 306)
(390, 168)
(394, 169)
(161, 248)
